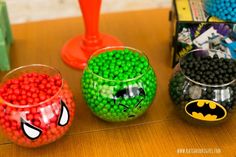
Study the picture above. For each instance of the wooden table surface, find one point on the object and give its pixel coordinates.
(160, 132)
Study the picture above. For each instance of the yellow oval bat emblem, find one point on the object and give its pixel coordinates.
(205, 110)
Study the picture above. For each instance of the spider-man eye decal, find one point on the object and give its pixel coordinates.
(29, 130)
(64, 115)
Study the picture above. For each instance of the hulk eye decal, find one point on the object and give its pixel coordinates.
(139, 103)
(64, 115)
(125, 107)
(29, 130)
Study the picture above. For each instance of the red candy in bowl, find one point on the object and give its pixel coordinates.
(36, 105)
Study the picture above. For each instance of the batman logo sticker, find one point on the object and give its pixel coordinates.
(205, 110)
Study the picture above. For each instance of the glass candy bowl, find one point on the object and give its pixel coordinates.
(36, 105)
(119, 84)
(203, 87)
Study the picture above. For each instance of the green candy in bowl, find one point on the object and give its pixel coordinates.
(119, 84)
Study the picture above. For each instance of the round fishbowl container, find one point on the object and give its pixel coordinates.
(203, 87)
(36, 105)
(119, 84)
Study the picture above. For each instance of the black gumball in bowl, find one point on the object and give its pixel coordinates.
(203, 87)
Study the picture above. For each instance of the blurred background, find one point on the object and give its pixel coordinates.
(21, 11)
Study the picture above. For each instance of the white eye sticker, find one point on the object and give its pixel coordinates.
(64, 115)
(29, 130)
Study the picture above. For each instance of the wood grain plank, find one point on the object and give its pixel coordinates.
(161, 138)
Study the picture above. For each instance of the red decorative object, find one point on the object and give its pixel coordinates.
(77, 51)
